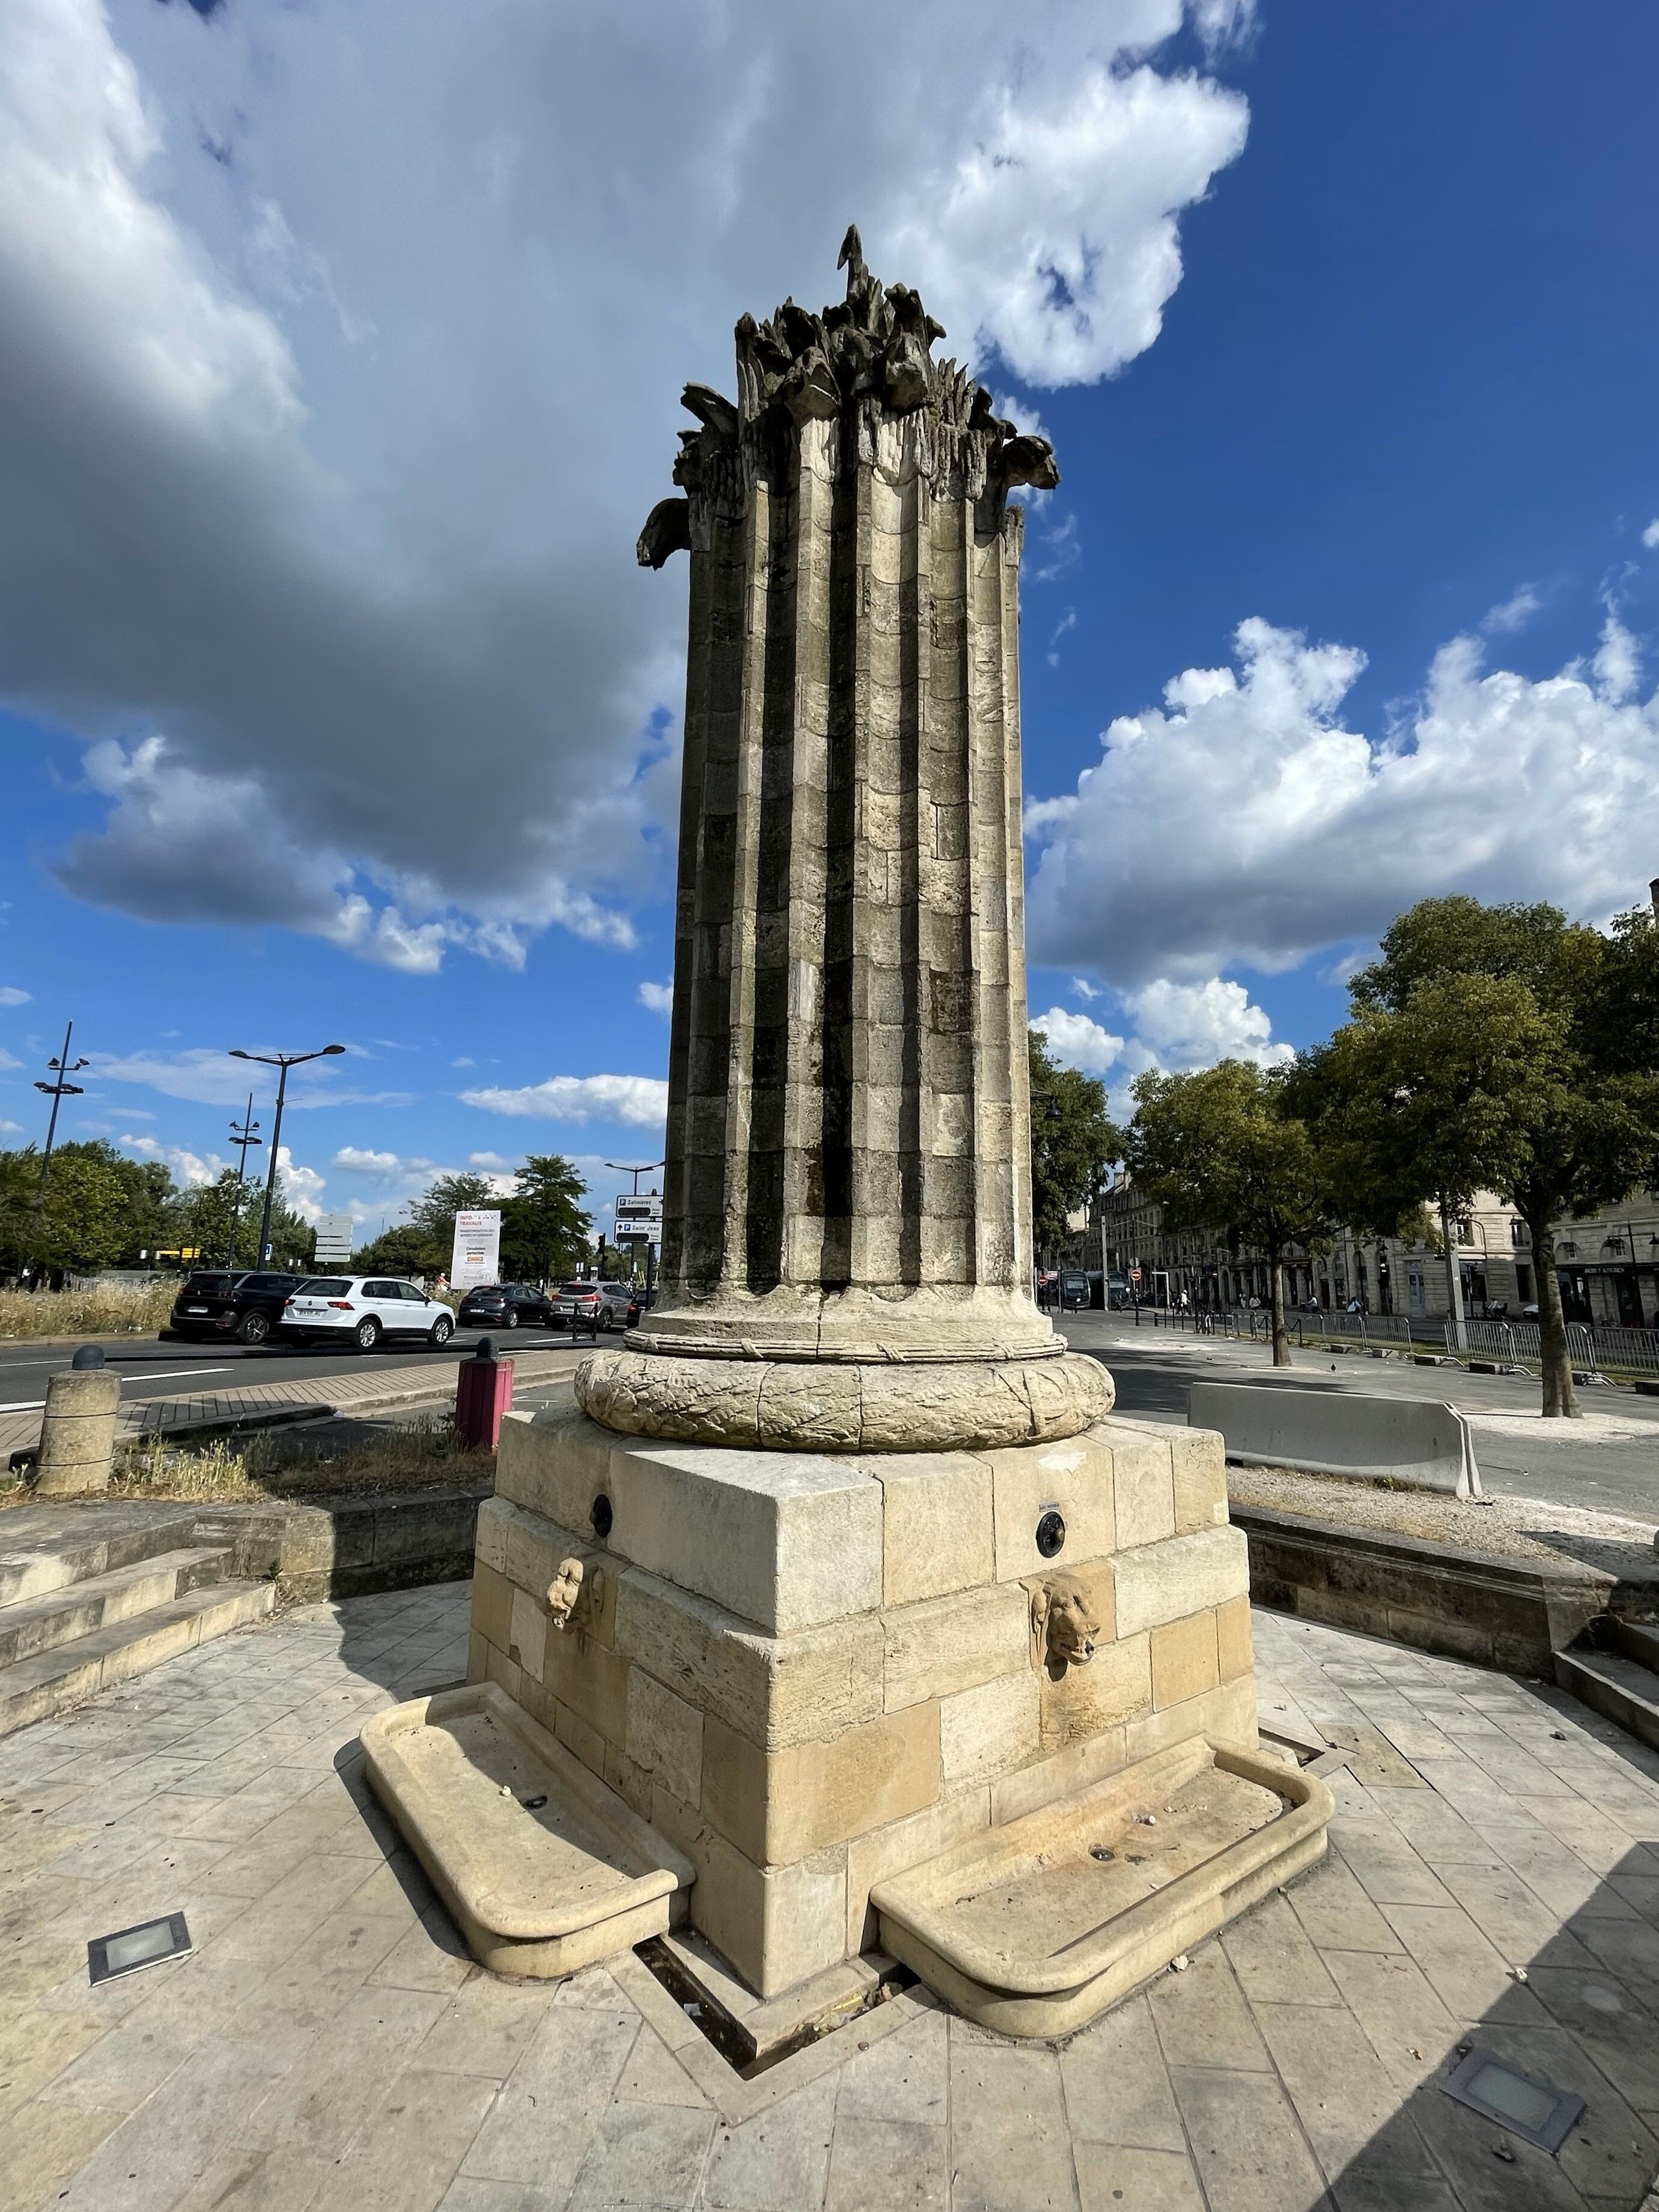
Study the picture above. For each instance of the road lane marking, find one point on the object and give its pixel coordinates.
(174, 1374)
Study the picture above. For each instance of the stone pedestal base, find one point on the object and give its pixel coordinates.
(810, 1673)
(845, 1406)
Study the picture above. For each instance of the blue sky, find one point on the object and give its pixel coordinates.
(336, 708)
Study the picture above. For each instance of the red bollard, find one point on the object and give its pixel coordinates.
(484, 1392)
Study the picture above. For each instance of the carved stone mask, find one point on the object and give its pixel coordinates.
(564, 1591)
(1066, 1621)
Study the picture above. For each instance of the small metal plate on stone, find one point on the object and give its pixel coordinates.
(1051, 1532)
(601, 1516)
(1537, 2111)
(146, 1945)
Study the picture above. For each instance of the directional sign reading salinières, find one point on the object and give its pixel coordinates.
(639, 1215)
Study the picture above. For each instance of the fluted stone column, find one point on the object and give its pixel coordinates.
(846, 1256)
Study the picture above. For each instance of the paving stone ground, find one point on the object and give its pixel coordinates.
(329, 2045)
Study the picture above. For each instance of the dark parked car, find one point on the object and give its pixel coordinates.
(231, 1303)
(505, 1305)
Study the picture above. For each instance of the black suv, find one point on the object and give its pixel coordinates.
(505, 1305)
(227, 1304)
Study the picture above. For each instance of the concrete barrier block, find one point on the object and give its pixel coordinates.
(1418, 1441)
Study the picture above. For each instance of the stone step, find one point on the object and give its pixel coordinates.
(1619, 1688)
(51, 1549)
(50, 1682)
(34, 1625)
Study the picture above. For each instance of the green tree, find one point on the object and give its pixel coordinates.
(1422, 1103)
(1578, 1127)
(1223, 1149)
(434, 1215)
(1073, 1138)
(545, 1228)
(83, 1225)
(399, 1251)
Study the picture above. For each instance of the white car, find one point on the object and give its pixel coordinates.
(364, 1309)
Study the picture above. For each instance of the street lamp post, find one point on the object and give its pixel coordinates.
(63, 1069)
(241, 1134)
(283, 1061)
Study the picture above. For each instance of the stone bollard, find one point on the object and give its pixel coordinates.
(77, 1430)
(484, 1392)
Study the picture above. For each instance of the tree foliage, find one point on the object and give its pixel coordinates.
(545, 1228)
(1508, 1048)
(545, 1231)
(1225, 1149)
(1072, 1140)
(103, 1210)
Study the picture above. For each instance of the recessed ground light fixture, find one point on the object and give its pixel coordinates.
(108, 1957)
(1536, 2111)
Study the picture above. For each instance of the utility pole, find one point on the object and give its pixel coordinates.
(1454, 1279)
(63, 1069)
(283, 1061)
(241, 1135)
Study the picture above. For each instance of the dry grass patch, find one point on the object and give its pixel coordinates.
(112, 1311)
(420, 1455)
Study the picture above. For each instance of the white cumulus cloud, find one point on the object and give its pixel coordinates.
(658, 997)
(11, 996)
(640, 1102)
(1077, 1041)
(1650, 535)
(1243, 823)
(342, 349)
(1184, 1025)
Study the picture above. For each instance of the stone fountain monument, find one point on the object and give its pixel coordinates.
(839, 1615)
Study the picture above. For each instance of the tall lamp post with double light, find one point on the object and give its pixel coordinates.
(241, 1135)
(62, 1067)
(283, 1061)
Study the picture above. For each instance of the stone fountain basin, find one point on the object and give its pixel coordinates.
(1023, 1930)
(537, 1890)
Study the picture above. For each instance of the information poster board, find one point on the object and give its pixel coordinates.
(477, 1255)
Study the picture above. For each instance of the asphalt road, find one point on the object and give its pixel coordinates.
(1609, 1461)
(152, 1370)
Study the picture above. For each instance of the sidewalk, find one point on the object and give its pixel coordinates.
(378, 1391)
(330, 2048)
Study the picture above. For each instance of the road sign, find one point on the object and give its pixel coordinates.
(476, 1255)
(639, 1214)
(334, 1240)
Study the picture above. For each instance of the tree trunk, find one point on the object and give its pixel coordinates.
(1560, 1400)
(1276, 1294)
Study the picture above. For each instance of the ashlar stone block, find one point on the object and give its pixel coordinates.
(1083, 1702)
(1026, 1479)
(1180, 1575)
(872, 1857)
(949, 1644)
(1184, 1660)
(987, 1730)
(1235, 1655)
(937, 1531)
(665, 1737)
(777, 1690)
(785, 1539)
(781, 1805)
